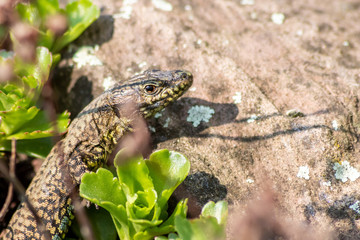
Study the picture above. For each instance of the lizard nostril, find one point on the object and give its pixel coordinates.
(186, 76)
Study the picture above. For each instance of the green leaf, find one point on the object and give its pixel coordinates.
(167, 170)
(180, 210)
(171, 236)
(143, 205)
(40, 127)
(101, 187)
(9, 96)
(199, 229)
(11, 121)
(140, 193)
(47, 7)
(137, 214)
(38, 148)
(210, 225)
(28, 13)
(81, 14)
(35, 75)
(104, 190)
(184, 228)
(218, 210)
(133, 173)
(16, 105)
(169, 224)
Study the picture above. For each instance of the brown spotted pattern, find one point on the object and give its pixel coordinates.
(90, 139)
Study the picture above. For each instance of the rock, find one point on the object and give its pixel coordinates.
(251, 72)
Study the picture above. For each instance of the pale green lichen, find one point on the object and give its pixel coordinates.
(345, 172)
(237, 97)
(126, 9)
(355, 207)
(335, 125)
(152, 129)
(247, 2)
(162, 5)
(188, 7)
(86, 56)
(108, 83)
(199, 113)
(166, 124)
(303, 172)
(294, 113)
(193, 89)
(327, 184)
(252, 118)
(157, 115)
(249, 180)
(278, 18)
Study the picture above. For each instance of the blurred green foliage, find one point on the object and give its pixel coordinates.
(137, 199)
(21, 119)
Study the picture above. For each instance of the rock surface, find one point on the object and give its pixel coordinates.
(253, 61)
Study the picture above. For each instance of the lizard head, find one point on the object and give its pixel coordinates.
(154, 89)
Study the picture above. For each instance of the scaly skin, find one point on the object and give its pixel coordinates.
(91, 137)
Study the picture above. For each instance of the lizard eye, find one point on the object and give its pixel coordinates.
(150, 89)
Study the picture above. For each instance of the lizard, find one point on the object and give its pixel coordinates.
(90, 139)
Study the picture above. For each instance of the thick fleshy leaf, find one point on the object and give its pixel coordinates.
(47, 7)
(167, 169)
(80, 15)
(104, 190)
(11, 121)
(199, 229)
(36, 75)
(40, 127)
(12, 97)
(101, 187)
(8, 98)
(134, 174)
(144, 204)
(102, 224)
(139, 189)
(140, 217)
(218, 210)
(169, 225)
(183, 228)
(210, 225)
(38, 148)
(171, 236)
(28, 13)
(122, 228)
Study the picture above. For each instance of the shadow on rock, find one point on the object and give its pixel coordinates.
(174, 124)
(347, 209)
(74, 94)
(100, 32)
(79, 95)
(179, 126)
(199, 188)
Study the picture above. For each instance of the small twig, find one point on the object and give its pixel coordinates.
(81, 216)
(11, 177)
(8, 199)
(11, 186)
